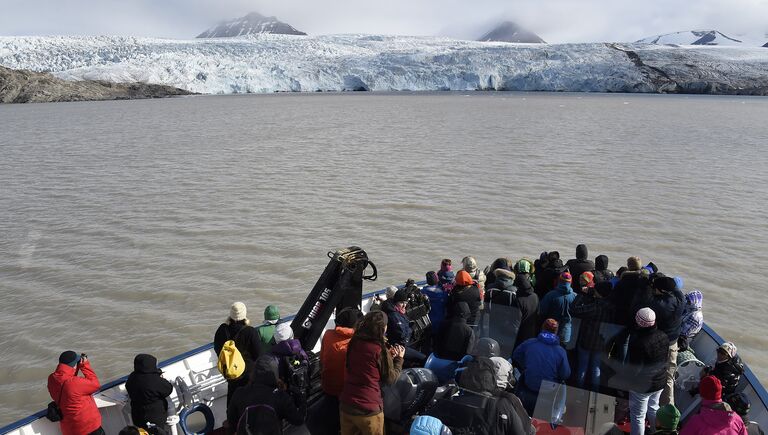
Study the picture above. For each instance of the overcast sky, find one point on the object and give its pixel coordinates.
(554, 20)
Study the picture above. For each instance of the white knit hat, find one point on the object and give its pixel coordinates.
(237, 312)
(645, 317)
(283, 332)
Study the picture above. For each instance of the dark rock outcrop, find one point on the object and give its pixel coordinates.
(511, 32)
(22, 86)
(252, 23)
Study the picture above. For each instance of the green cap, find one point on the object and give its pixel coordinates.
(667, 417)
(271, 313)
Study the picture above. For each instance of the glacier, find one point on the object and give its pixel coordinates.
(285, 63)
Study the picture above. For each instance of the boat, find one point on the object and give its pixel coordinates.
(198, 401)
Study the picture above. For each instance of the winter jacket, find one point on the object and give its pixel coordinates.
(668, 307)
(529, 309)
(714, 418)
(499, 263)
(579, 265)
(542, 359)
(469, 294)
(729, 374)
(753, 428)
(427, 425)
(399, 329)
(478, 276)
(593, 312)
(647, 359)
(456, 339)
(693, 318)
(632, 292)
(367, 367)
(602, 273)
(557, 305)
(333, 355)
(547, 278)
(148, 391)
(438, 301)
(266, 337)
(73, 394)
(247, 341)
(263, 391)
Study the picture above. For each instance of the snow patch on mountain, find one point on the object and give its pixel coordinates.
(253, 23)
(702, 37)
(273, 63)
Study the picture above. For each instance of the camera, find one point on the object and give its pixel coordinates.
(82, 355)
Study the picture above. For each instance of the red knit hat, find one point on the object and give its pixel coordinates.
(550, 325)
(566, 277)
(463, 278)
(587, 279)
(710, 388)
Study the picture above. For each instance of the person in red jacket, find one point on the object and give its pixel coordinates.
(370, 362)
(74, 395)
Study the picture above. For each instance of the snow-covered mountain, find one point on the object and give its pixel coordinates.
(511, 32)
(270, 63)
(698, 37)
(252, 23)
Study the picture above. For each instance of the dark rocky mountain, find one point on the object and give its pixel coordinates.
(22, 86)
(252, 23)
(511, 32)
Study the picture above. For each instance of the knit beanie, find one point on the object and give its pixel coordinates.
(69, 358)
(463, 278)
(283, 332)
(710, 388)
(645, 317)
(271, 314)
(667, 417)
(740, 403)
(400, 296)
(391, 290)
(550, 325)
(633, 263)
(587, 279)
(432, 278)
(566, 277)
(237, 312)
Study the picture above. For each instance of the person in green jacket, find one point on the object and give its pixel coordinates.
(266, 331)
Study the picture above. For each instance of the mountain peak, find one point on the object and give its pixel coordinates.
(507, 31)
(252, 23)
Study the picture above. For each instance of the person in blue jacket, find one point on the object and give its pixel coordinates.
(540, 359)
(557, 305)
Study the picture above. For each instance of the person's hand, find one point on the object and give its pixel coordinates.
(83, 359)
(400, 351)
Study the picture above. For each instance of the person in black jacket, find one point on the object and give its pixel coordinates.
(579, 265)
(261, 407)
(466, 290)
(528, 303)
(456, 339)
(668, 303)
(728, 368)
(594, 311)
(399, 329)
(237, 327)
(646, 370)
(547, 273)
(503, 311)
(499, 263)
(602, 273)
(149, 392)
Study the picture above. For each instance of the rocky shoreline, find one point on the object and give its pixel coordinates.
(23, 86)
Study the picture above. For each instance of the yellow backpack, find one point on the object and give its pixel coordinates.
(231, 362)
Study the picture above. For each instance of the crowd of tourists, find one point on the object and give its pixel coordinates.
(516, 332)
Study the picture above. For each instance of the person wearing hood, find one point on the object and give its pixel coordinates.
(594, 310)
(446, 275)
(548, 274)
(370, 363)
(540, 359)
(74, 395)
(456, 338)
(465, 291)
(693, 319)
(579, 265)
(740, 404)
(527, 301)
(399, 329)
(438, 299)
(266, 331)
(503, 310)
(715, 417)
(469, 264)
(728, 368)
(237, 328)
(668, 303)
(499, 263)
(557, 305)
(646, 369)
(602, 273)
(244, 412)
(667, 420)
(149, 392)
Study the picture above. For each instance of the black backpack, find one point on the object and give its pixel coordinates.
(296, 374)
(478, 375)
(259, 420)
(467, 414)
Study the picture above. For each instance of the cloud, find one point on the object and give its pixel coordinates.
(554, 20)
